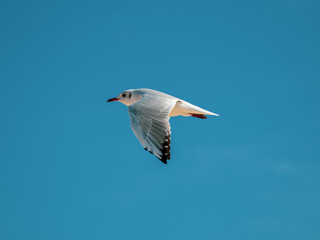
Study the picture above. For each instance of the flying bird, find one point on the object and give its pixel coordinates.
(149, 113)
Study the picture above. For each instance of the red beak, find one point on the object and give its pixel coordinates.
(113, 99)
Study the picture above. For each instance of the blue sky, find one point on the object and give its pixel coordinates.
(71, 167)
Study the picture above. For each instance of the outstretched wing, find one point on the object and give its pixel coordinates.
(149, 120)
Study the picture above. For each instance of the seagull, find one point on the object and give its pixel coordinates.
(150, 111)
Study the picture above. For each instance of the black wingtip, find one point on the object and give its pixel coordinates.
(165, 152)
(164, 160)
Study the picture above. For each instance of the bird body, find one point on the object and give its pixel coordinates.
(150, 111)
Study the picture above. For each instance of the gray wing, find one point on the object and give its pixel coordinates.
(149, 120)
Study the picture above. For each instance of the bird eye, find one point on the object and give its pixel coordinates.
(124, 95)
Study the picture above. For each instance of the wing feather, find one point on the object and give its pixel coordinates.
(149, 120)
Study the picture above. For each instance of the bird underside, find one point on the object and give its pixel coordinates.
(187, 110)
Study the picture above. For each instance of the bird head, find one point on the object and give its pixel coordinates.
(127, 97)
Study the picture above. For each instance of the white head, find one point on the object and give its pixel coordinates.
(127, 97)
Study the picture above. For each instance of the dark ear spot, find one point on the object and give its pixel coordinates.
(129, 95)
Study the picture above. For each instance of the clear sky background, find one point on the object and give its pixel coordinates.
(70, 165)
